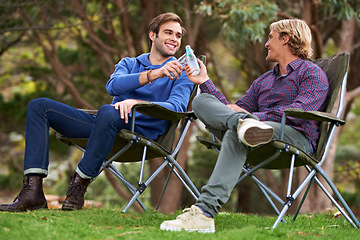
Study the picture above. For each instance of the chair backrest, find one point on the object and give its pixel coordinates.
(335, 69)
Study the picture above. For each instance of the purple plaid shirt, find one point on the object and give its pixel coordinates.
(304, 86)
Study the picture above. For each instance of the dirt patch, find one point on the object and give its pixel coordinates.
(7, 196)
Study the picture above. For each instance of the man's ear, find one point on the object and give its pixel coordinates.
(152, 35)
(285, 39)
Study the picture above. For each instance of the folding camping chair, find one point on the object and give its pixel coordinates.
(278, 154)
(130, 146)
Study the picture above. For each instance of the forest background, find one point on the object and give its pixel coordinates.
(67, 49)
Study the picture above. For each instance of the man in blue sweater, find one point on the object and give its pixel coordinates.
(153, 77)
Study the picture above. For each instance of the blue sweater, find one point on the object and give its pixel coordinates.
(171, 94)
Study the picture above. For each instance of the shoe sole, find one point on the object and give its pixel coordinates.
(39, 207)
(70, 208)
(168, 228)
(255, 136)
(24, 210)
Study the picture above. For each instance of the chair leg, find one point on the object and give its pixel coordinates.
(144, 185)
(289, 197)
(192, 188)
(292, 197)
(194, 193)
(281, 215)
(266, 195)
(128, 186)
(352, 219)
(303, 199)
(164, 188)
(173, 171)
(338, 206)
(265, 190)
(131, 202)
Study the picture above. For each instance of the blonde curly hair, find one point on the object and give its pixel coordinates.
(299, 36)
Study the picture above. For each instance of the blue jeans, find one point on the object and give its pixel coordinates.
(101, 130)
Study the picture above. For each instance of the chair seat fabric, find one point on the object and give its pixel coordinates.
(133, 154)
(261, 153)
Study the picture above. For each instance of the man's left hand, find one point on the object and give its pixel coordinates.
(125, 107)
(236, 108)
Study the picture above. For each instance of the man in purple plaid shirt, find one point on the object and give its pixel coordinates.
(255, 118)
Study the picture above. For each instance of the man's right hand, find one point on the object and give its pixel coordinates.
(171, 69)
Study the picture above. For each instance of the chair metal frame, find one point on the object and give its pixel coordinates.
(135, 138)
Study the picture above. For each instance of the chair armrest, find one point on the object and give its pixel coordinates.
(160, 112)
(314, 115)
(152, 110)
(308, 115)
(209, 143)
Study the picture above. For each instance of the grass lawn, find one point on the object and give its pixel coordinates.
(109, 223)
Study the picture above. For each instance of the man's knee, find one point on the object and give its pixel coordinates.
(107, 114)
(200, 100)
(38, 103)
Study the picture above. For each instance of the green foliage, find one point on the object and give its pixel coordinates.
(110, 223)
(242, 21)
(6, 182)
(13, 112)
(347, 161)
(344, 9)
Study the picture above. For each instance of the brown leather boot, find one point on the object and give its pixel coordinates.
(31, 196)
(75, 195)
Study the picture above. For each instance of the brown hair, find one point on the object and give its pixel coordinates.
(299, 36)
(155, 24)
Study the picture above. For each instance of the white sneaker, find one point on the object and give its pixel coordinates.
(192, 220)
(253, 132)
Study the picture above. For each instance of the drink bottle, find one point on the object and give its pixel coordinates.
(192, 61)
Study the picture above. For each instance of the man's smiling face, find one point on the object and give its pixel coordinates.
(167, 42)
(274, 46)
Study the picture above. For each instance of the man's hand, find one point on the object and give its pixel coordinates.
(236, 108)
(199, 79)
(171, 69)
(125, 107)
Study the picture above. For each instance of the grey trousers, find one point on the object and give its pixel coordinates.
(222, 122)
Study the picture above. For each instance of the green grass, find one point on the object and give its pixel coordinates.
(112, 224)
